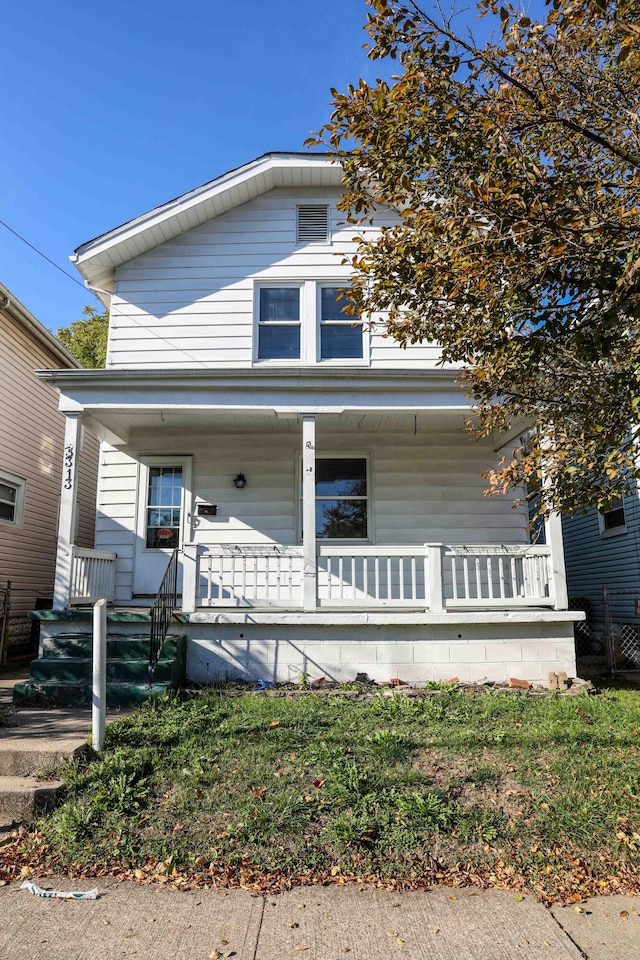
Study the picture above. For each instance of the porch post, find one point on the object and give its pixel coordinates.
(68, 508)
(309, 566)
(558, 576)
(189, 577)
(434, 577)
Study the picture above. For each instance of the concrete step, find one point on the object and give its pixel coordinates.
(78, 694)
(80, 669)
(129, 647)
(21, 798)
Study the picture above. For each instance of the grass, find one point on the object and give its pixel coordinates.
(538, 793)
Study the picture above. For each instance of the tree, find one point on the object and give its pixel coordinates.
(515, 168)
(86, 339)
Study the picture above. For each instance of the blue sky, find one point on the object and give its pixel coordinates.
(111, 109)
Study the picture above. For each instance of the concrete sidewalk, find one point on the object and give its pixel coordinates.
(320, 923)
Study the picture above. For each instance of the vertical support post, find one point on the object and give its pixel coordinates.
(558, 576)
(434, 577)
(68, 508)
(99, 692)
(309, 560)
(189, 577)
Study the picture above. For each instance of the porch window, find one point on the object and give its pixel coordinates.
(164, 507)
(11, 498)
(341, 498)
(613, 520)
(279, 323)
(340, 334)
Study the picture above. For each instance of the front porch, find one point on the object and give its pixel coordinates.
(357, 538)
(419, 614)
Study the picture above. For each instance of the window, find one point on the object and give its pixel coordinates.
(340, 334)
(613, 520)
(11, 498)
(341, 498)
(312, 223)
(164, 507)
(279, 323)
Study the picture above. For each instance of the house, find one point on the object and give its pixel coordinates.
(602, 555)
(31, 468)
(312, 482)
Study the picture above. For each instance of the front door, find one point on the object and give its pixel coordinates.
(163, 515)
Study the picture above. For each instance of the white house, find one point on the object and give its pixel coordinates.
(315, 479)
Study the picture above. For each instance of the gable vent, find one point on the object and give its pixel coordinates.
(313, 223)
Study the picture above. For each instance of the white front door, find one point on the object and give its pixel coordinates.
(163, 517)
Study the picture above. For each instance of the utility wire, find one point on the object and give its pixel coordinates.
(43, 255)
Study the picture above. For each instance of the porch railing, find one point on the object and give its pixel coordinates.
(93, 575)
(497, 576)
(431, 577)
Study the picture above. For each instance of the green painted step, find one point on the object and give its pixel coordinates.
(80, 669)
(67, 693)
(118, 645)
(64, 673)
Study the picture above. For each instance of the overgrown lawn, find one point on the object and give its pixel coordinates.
(539, 793)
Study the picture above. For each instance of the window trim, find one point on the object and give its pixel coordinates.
(257, 323)
(310, 313)
(619, 529)
(367, 456)
(20, 484)
(348, 322)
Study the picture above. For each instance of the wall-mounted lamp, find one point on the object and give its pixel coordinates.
(240, 481)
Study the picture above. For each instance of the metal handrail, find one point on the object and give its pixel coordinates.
(162, 611)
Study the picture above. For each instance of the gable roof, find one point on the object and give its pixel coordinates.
(98, 259)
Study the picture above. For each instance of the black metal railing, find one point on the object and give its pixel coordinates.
(162, 610)
(5, 607)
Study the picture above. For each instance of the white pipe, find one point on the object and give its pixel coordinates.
(99, 693)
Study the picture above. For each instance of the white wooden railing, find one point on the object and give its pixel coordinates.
(497, 576)
(372, 576)
(433, 577)
(248, 576)
(93, 574)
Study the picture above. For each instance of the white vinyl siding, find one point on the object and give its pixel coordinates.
(190, 302)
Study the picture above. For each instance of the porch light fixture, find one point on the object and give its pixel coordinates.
(240, 481)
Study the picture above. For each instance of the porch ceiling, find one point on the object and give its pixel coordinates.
(118, 427)
(120, 401)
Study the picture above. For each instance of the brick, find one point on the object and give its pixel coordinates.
(518, 684)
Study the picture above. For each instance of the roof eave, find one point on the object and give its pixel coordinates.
(98, 259)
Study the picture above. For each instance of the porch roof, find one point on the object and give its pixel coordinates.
(117, 401)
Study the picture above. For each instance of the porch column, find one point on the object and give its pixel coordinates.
(553, 531)
(309, 566)
(68, 510)
(189, 577)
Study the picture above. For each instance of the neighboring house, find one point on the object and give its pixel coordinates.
(316, 480)
(602, 553)
(31, 465)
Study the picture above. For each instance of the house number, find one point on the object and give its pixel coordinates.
(68, 466)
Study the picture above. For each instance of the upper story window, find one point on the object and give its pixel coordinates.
(340, 334)
(613, 519)
(306, 322)
(11, 498)
(279, 323)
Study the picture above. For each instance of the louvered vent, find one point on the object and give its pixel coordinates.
(313, 223)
